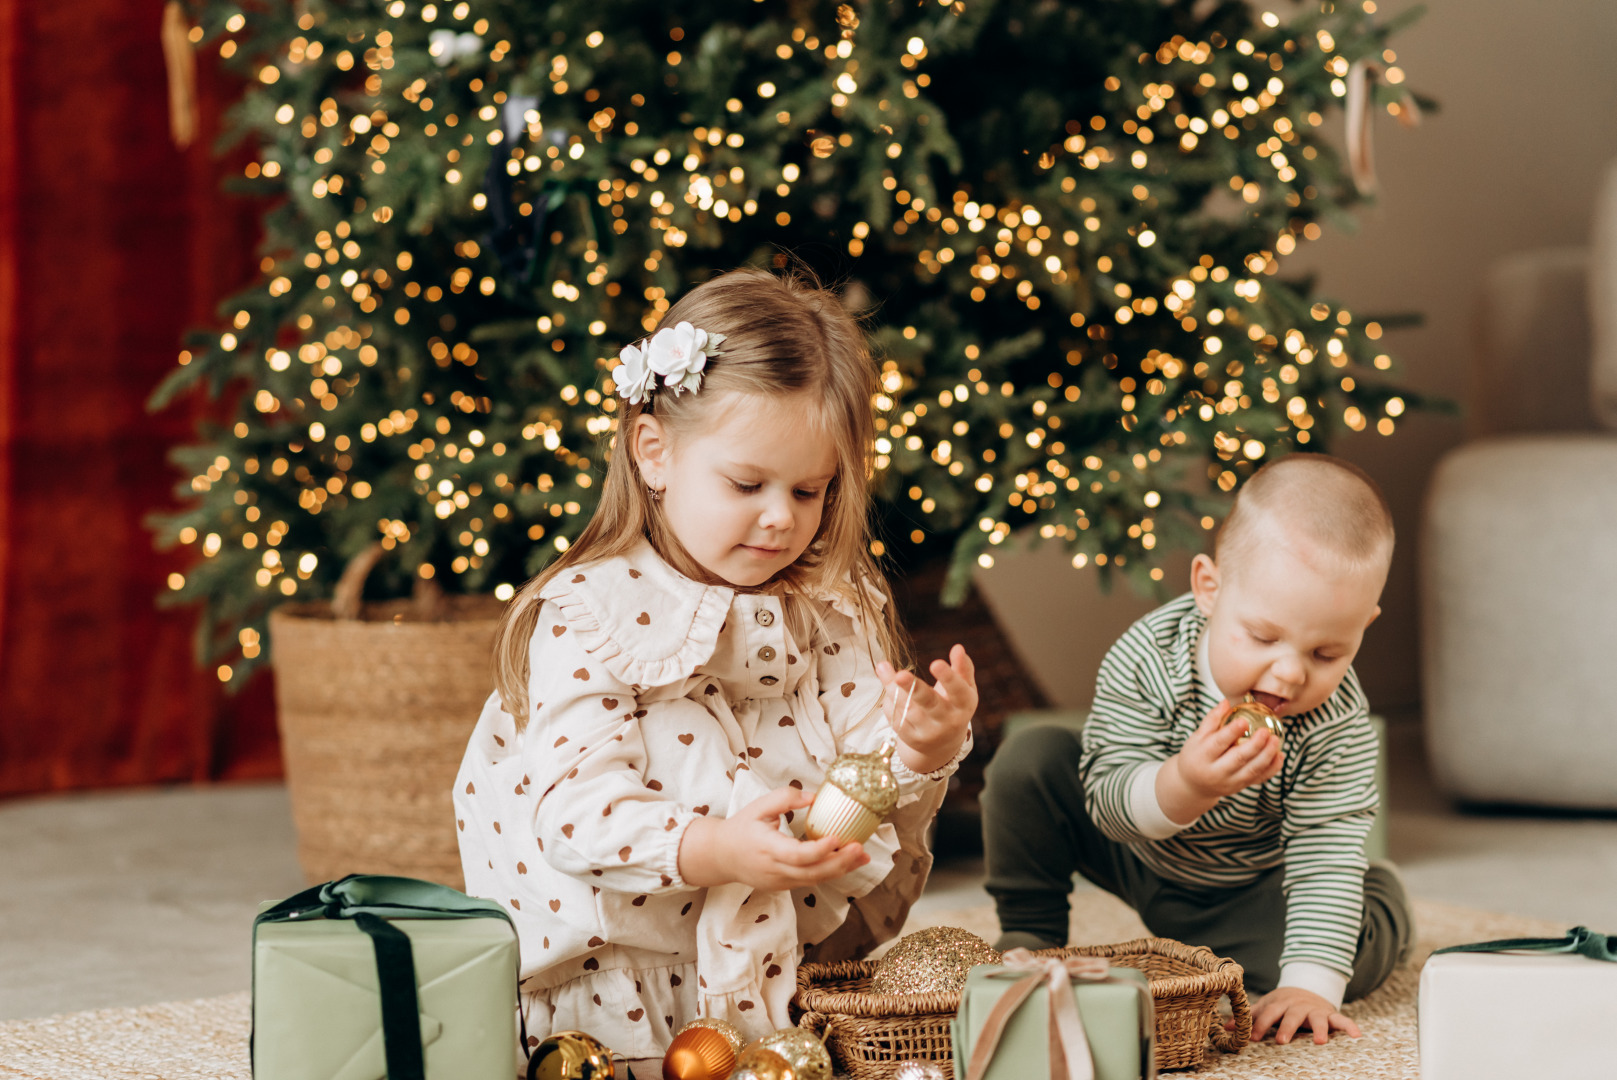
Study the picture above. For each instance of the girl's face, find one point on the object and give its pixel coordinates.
(744, 495)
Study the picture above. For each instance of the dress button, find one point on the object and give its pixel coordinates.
(765, 617)
(769, 680)
(766, 654)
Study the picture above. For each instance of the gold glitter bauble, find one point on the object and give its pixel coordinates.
(803, 1050)
(859, 790)
(731, 1033)
(759, 1063)
(1257, 716)
(919, 1070)
(571, 1055)
(699, 1052)
(931, 961)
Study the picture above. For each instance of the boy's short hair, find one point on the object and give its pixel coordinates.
(1325, 499)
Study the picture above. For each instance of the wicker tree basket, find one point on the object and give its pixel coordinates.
(374, 711)
(868, 1033)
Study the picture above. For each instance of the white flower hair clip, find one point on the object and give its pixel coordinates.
(676, 353)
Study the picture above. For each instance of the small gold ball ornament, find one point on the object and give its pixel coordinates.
(1257, 716)
(802, 1050)
(918, 1070)
(704, 1049)
(571, 1055)
(859, 790)
(932, 961)
(759, 1063)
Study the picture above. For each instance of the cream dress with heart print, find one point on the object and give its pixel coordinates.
(654, 699)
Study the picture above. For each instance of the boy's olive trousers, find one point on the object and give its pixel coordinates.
(1037, 834)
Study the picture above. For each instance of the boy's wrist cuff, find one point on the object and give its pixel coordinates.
(1328, 983)
(1146, 810)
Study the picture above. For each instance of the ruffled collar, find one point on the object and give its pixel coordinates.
(650, 625)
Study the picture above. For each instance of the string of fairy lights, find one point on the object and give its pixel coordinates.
(382, 346)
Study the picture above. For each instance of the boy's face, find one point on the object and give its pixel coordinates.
(1286, 626)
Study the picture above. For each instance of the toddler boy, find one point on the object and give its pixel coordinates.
(1250, 847)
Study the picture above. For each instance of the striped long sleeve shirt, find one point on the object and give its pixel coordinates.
(1312, 817)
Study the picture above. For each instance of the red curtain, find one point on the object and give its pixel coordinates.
(112, 241)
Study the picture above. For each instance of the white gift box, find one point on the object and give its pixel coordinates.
(1516, 1016)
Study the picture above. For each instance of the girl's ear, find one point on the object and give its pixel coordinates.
(651, 447)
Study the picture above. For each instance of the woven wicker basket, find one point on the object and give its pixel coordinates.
(374, 715)
(868, 1034)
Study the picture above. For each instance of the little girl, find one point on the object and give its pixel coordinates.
(671, 690)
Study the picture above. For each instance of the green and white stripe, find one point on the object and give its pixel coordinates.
(1312, 817)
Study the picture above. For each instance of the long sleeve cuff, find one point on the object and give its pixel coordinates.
(910, 782)
(1326, 982)
(1149, 818)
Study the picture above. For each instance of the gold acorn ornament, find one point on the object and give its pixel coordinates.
(803, 1051)
(931, 961)
(760, 1063)
(704, 1049)
(571, 1055)
(859, 790)
(1257, 716)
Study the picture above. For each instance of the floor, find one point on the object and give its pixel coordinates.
(131, 898)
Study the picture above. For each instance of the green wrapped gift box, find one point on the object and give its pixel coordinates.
(1115, 1011)
(347, 975)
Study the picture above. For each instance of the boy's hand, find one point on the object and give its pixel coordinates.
(751, 849)
(1214, 762)
(939, 716)
(1289, 1008)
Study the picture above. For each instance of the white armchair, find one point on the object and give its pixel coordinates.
(1519, 542)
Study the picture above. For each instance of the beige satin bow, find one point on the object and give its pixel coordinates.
(1070, 1057)
(1360, 152)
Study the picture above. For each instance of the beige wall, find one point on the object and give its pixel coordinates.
(1512, 161)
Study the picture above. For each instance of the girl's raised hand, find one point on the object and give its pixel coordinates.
(931, 721)
(751, 849)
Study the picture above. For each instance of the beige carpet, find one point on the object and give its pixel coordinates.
(207, 1039)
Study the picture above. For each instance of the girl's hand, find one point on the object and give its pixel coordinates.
(938, 717)
(751, 849)
(1214, 762)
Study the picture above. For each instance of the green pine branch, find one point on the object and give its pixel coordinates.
(1071, 220)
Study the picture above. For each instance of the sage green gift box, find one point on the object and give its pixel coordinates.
(321, 1000)
(1120, 1039)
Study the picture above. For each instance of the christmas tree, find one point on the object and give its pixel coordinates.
(1065, 223)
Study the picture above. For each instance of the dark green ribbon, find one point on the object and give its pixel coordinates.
(401, 1010)
(1579, 940)
(370, 901)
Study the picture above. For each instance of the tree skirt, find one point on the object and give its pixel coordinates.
(207, 1039)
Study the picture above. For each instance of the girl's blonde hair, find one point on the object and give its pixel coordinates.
(784, 335)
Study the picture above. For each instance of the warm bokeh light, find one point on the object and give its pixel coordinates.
(1089, 336)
